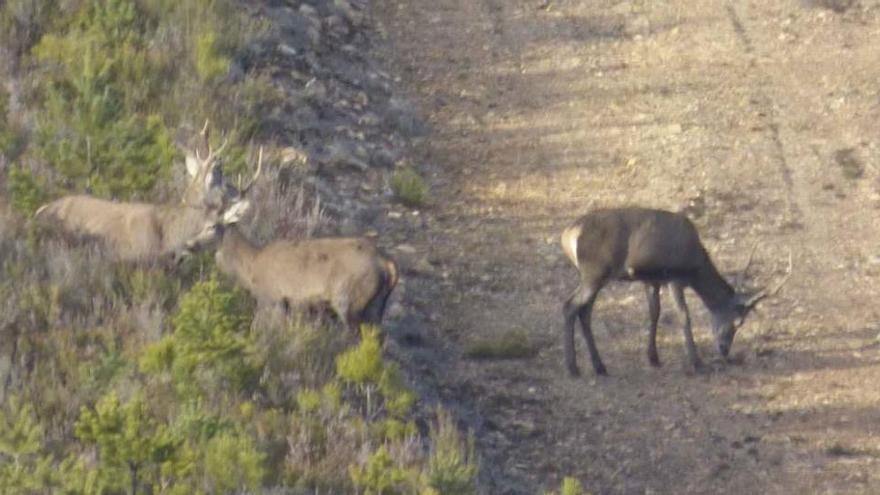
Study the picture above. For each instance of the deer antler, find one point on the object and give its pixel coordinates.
(243, 190)
(212, 154)
(742, 274)
(205, 134)
(764, 294)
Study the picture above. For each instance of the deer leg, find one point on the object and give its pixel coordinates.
(585, 314)
(580, 305)
(354, 323)
(681, 304)
(570, 313)
(375, 310)
(653, 293)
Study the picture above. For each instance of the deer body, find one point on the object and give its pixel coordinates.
(132, 231)
(654, 247)
(143, 231)
(348, 274)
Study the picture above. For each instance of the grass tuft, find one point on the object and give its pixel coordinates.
(409, 187)
(512, 345)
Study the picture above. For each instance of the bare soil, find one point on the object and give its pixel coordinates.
(762, 121)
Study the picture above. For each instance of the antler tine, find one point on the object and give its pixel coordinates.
(212, 153)
(742, 274)
(204, 134)
(222, 146)
(244, 190)
(764, 294)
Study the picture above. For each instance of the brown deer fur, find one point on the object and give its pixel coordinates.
(654, 247)
(143, 231)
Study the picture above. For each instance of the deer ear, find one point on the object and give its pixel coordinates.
(193, 166)
(214, 178)
(235, 212)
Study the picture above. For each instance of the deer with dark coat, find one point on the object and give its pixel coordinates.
(657, 248)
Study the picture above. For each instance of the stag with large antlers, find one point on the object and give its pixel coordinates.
(654, 247)
(350, 275)
(143, 231)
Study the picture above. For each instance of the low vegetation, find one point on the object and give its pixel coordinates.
(511, 345)
(570, 486)
(409, 187)
(120, 378)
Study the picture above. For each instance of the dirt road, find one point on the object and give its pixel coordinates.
(761, 119)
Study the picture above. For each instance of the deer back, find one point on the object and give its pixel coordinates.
(329, 269)
(132, 231)
(620, 241)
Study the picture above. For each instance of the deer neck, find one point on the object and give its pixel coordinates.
(713, 290)
(236, 255)
(178, 224)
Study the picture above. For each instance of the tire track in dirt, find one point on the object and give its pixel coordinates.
(768, 106)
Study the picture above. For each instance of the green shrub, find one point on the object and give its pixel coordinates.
(398, 398)
(452, 467)
(210, 63)
(379, 476)
(22, 22)
(25, 190)
(409, 187)
(570, 486)
(12, 140)
(96, 127)
(130, 443)
(233, 464)
(24, 468)
(210, 349)
(362, 365)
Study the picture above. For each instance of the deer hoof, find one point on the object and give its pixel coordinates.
(573, 371)
(600, 369)
(654, 359)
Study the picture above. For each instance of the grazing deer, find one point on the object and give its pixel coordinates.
(143, 231)
(349, 274)
(654, 247)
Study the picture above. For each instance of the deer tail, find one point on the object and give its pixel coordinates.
(376, 307)
(391, 275)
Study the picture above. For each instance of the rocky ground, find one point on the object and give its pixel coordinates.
(759, 119)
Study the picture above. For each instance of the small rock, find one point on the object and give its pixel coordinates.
(315, 89)
(346, 155)
(353, 15)
(404, 248)
(292, 155)
(288, 50)
(337, 27)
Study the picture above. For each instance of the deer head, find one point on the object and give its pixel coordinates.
(237, 209)
(207, 187)
(727, 320)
